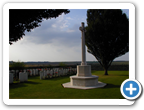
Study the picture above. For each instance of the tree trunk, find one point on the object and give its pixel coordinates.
(106, 71)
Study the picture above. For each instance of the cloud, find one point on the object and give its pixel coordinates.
(69, 18)
(55, 30)
(69, 30)
(56, 51)
(54, 39)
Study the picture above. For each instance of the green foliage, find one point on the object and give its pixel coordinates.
(62, 64)
(21, 20)
(49, 65)
(107, 35)
(17, 65)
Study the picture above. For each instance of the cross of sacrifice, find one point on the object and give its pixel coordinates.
(82, 29)
(131, 89)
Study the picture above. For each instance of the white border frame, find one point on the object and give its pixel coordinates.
(8, 6)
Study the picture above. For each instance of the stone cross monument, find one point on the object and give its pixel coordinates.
(83, 79)
(82, 29)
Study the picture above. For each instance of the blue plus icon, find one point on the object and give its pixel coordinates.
(130, 89)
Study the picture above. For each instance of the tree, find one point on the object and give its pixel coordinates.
(107, 35)
(21, 20)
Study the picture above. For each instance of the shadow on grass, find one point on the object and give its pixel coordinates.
(113, 75)
(123, 75)
(22, 84)
(31, 82)
(57, 78)
(111, 86)
(117, 75)
(106, 87)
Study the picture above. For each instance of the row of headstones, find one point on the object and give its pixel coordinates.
(44, 73)
(56, 72)
(31, 72)
(23, 76)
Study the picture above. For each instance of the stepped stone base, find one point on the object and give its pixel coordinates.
(84, 79)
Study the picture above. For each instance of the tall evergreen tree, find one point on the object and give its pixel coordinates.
(107, 35)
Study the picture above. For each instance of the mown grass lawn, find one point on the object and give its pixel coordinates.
(52, 88)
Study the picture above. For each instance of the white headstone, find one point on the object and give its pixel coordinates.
(59, 72)
(34, 72)
(31, 72)
(10, 78)
(48, 73)
(23, 76)
(51, 73)
(64, 72)
(41, 74)
(44, 74)
(24, 70)
(55, 72)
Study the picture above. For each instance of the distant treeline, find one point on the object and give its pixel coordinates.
(116, 65)
(112, 67)
(69, 63)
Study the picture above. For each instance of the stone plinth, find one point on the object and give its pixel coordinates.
(84, 79)
(83, 70)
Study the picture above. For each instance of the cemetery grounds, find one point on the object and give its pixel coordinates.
(52, 88)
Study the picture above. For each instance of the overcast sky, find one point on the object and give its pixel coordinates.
(55, 40)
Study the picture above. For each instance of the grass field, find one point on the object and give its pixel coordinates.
(52, 88)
